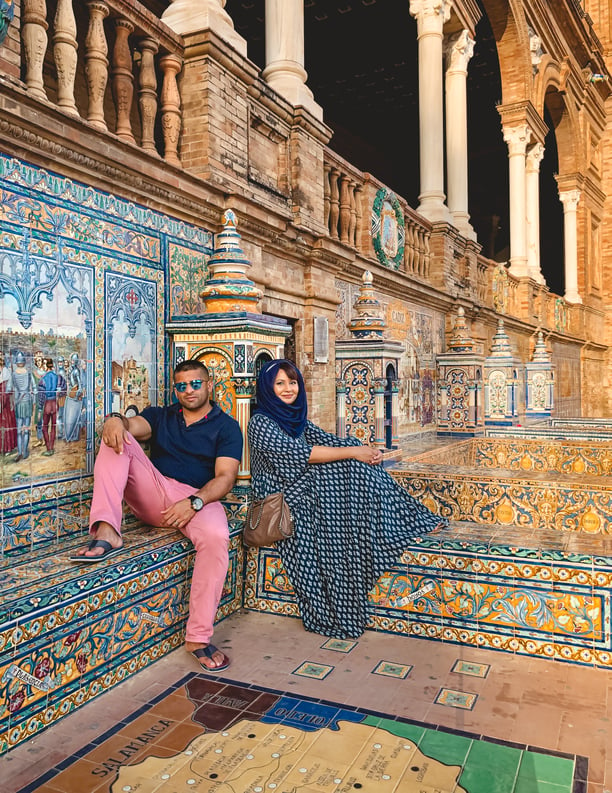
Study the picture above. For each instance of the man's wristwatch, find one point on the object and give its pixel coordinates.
(196, 503)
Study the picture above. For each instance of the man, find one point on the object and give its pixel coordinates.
(195, 452)
(51, 387)
(24, 388)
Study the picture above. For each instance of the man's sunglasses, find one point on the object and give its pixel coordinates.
(195, 384)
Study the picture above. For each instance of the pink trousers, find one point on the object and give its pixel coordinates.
(133, 477)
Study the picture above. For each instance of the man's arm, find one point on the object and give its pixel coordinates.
(226, 471)
(116, 429)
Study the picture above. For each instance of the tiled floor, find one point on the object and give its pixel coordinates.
(521, 704)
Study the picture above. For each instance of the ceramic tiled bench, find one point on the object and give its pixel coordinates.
(69, 632)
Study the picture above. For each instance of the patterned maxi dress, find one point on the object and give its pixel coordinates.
(352, 523)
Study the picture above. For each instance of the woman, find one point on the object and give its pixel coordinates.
(352, 521)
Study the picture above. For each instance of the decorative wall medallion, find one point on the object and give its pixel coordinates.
(388, 230)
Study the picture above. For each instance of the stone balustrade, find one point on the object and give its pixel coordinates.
(343, 186)
(94, 59)
(348, 203)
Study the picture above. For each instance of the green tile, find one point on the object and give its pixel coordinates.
(505, 759)
(491, 768)
(537, 786)
(451, 749)
(547, 768)
(486, 779)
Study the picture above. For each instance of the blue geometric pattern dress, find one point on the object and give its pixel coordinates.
(352, 523)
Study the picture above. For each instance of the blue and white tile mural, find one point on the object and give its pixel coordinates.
(87, 281)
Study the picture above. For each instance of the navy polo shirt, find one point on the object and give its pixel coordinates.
(188, 453)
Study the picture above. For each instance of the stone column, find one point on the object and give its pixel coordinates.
(532, 184)
(394, 413)
(284, 70)
(570, 199)
(430, 16)
(516, 137)
(458, 49)
(189, 16)
(245, 390)
(340, 408)
(379, 387)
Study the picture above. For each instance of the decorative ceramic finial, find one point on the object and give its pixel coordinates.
(367, 321)
(501, 342)
(540, 353)
(461, 341)
(227, 287)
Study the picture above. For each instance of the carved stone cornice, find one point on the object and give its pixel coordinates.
(20, 140)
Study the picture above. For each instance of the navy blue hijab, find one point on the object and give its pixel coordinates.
(292, 418)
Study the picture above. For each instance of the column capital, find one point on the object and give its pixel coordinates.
(535, 154)
(431, 11)
(517, 138)
(458, 49)
(569, 199)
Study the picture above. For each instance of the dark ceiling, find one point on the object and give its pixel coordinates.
(362, 63)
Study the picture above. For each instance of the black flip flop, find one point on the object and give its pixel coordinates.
(107, 548)
(208, 652)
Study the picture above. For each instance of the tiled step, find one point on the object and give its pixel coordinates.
(70, 631)
(534, 592)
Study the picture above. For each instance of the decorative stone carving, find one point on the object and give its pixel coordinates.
(123, 79)
(147, 93)
(171, 107)
(34, 36)
(65, 54)
(96, 63)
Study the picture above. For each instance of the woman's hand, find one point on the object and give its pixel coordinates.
(330, 454)
(367, 454)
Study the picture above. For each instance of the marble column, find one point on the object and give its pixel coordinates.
(284, 70)
(570, 199)
(430, 16)
(459, 48)
(190, 16)
(517, 137)
(532, 185)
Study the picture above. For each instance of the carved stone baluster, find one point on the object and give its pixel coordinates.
(410, 249)
(353, 215)
(426, 255)
(334, 209)
(123, 79)
(147, 93)
(34, 36)
(171, 65)
(345, 208)
(326, 195)
(358, 216)
(65, 55)
(96, 63)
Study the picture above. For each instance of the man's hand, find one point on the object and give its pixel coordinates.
(179, 514)
(114, 434)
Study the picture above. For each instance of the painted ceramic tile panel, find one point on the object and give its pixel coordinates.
(82, 310)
